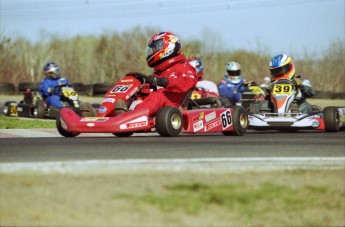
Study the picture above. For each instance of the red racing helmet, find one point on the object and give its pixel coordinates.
(161, 47)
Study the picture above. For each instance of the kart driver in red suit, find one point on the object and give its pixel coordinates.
(172, 72)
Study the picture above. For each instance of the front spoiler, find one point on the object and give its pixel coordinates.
(275, 121)
(132, 121)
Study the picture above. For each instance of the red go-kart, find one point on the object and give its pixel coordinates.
(190, 117)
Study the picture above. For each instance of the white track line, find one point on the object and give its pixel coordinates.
(195, 165)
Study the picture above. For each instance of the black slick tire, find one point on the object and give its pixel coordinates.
(239, 120)
(169, 121)
(331, 118)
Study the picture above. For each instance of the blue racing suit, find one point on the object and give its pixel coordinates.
(233, 92)
(51, 92)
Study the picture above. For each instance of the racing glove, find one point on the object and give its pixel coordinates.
(50, 90)
(137, 75)
(297, 82)
(268, 89)
(155, 81)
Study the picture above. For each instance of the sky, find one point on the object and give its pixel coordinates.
(276, 26)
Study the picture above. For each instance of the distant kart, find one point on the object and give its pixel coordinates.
(280, 111)
(170, 121)
(32, 106)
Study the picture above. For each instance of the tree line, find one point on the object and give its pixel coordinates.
(108, 57)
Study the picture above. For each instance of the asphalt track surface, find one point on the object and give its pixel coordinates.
(25, 146)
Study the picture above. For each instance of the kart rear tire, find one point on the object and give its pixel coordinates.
(169, 121)
(239, 120)
(40, 109)
(332, 119)
(123, 134)
(62, 131)
(6, 110)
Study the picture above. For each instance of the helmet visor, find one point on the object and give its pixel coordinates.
(280, 71)
(234, 72)
(154, 47)
(53, 74)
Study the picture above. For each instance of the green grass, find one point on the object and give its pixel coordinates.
(269, 201)
(244, 198)
(262, 198)
(24, 123)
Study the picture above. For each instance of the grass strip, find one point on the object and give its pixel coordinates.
(24, 123)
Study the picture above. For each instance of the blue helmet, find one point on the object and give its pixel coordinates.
(51, 70)
(198, 65)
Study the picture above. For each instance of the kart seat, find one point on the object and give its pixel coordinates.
(186, 99)
(190, 103)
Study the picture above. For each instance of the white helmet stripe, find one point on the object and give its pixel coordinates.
(284, 58)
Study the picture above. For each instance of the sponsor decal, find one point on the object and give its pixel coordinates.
(94, 119)
(128, 80)
(90, 124)
(109, 100)
(315, 124)
(198, 126)
(136, 123)
(212, 125)
(198, 117)
(210, 116)
(102, 109)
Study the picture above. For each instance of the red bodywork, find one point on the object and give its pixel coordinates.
(125, 89)
(129, 89)
(194, 121)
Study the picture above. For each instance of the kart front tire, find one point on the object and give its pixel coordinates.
(169, 121)
(239, 120)
(6, 109)
(40, 111)
(332, 119)
(62, 131)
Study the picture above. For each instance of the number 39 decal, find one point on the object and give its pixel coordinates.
(282, 89)
(226, 119)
